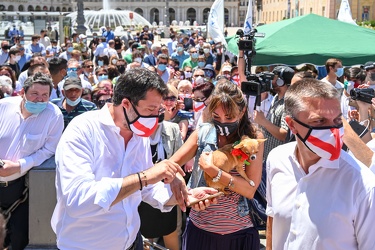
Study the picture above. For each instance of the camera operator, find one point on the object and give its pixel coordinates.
(370, 73)
(358, 148)
(275, 128)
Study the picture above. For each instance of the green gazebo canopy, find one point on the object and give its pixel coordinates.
(311, 39)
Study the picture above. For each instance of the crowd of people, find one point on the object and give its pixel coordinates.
(133, 123)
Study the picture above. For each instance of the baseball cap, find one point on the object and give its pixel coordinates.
(72, 82)
(369, 65)
(227, 68)
(284, 72)
(82, 36)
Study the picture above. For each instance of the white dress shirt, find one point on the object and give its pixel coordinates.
(91, 161)
(331, 207)
(29, 141)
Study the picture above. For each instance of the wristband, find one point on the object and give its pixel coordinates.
(240, 57)
(140, 181)
(218, 176)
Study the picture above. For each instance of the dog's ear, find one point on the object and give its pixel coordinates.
(262, 140)
(239, 145)
(244, 137)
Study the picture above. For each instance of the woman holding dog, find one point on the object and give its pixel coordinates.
(227, 224)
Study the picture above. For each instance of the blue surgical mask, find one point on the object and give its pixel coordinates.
(102, 77)
(22, 42)
(180, 49)
(72, 73)
(70, 49)
(339, 72)
(194, 55)
(162, 67)
(73, 103)
(35, 107)
(201, 64)
(100, 63)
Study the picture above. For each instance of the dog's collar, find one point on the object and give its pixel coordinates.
(239, 153)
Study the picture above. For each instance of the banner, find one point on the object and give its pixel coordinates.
(345, 14)
(249, 19)
(216, 22)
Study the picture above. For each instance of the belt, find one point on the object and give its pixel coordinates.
(4, 184)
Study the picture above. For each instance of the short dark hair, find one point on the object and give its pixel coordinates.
(135, 83)
(13, 51)
(39, 78)
(31, 70)
(56, 64)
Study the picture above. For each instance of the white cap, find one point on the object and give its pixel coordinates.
(226, 68)
(82, 36)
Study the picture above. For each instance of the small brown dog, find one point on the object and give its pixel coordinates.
(234, 156)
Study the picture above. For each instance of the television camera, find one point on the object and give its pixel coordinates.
(364, 95)
(256, 83)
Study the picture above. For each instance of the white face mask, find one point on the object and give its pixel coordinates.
(326, 142)
(17, 58)
(206, 51)
(138, 60)
(188, 74)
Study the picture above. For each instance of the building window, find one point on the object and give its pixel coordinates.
(365, 13)
(323, 11)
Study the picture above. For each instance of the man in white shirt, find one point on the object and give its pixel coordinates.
(30, 128)
(334, 70)
(318, 196)
(104, 169)
(110, 50)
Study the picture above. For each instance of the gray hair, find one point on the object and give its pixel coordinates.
(307, 88)
(39, 78)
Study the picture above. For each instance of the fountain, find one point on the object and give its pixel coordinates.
(94, 20)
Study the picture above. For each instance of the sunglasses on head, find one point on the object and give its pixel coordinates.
(170, 98)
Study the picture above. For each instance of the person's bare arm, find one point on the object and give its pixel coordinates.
(355, 144)
(269, 233)
(165, 170)
(277, 132)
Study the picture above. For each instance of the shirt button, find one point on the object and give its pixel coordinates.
(294, 232)
(298, 204)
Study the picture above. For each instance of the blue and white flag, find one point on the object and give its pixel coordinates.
(216, 22)
(249, 19)
(345, 14)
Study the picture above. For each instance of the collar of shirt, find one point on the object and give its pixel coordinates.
(106, 118)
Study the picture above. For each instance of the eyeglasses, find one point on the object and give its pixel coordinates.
(199, 75)
(170, 98)
(88, 66)
(199, 99)
(102, 102)
(72, 69)
(102, 74)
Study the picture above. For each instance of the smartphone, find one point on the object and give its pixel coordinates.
(188, 102)
(218, 194)
(1, 163)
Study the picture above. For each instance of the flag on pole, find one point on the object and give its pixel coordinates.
(345, 14)
(216, 22)
(249, 19)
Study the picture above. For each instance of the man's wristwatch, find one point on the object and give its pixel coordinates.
(218, 176)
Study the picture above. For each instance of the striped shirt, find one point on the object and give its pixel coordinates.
(223, 217)
(82, 107)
